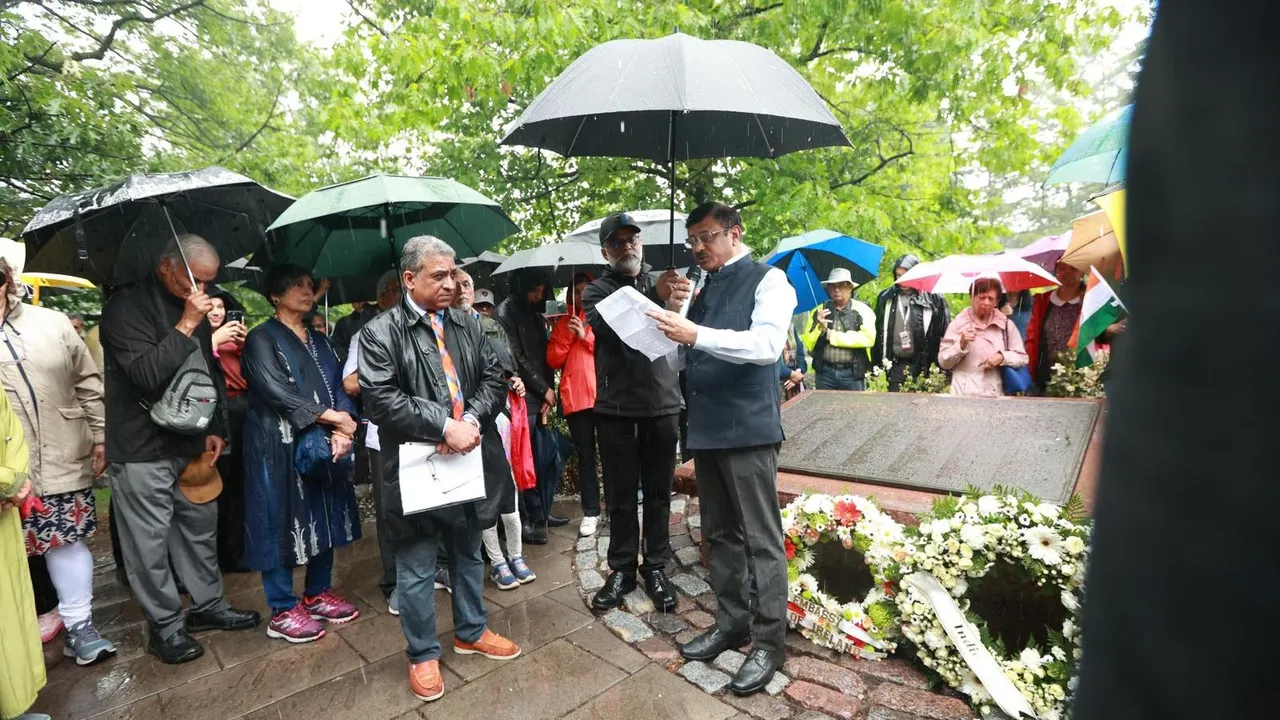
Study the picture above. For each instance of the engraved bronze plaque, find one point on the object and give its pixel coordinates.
(939, 443)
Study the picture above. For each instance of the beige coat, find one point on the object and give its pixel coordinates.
(67, 417)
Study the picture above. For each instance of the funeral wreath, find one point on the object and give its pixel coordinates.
(958, 543)
(862, 627)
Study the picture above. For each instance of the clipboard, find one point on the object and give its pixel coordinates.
(430, 481)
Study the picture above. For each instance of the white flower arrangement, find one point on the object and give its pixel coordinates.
(863, 628)
(958, 542)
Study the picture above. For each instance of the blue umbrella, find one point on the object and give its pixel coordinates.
(809, 258)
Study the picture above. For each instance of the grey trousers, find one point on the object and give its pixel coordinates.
(738, 496)
(158, 523)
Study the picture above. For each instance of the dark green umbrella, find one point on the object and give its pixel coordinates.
(360, 227)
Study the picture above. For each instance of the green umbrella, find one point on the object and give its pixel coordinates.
(1099, 154)
(360, 227)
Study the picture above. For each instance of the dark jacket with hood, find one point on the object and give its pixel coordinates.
(527, 333)
(628, 384)
(926, 333)
(407, 395)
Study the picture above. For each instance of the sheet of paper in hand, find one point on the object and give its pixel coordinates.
(624, 311)
(429, 480)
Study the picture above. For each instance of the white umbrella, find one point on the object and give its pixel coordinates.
(655, 231)
(560, 260)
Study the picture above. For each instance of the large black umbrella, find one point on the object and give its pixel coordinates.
(677, 98)
(114, 235)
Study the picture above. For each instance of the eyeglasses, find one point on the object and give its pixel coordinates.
(703, 238)
(617, 243)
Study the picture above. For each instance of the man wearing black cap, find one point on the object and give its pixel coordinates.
(912, 324)
(637, 415)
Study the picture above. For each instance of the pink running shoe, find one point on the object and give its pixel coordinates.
(50, 625)
(330, 608)
(295, 625)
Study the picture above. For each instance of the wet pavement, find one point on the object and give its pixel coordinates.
(571, 666)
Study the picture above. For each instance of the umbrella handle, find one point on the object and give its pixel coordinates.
(182, 253)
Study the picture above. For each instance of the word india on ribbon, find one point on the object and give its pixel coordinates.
(828, 629)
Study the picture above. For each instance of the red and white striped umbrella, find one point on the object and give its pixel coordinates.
(955, 273)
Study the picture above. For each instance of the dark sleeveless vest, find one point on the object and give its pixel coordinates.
(730, 405)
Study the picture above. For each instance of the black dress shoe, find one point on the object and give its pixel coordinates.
(536, 535)
(708, 646)
(179, 648)
(228, 619)
(557, 521)
(756, 672)
(610, 596)
(660, 590)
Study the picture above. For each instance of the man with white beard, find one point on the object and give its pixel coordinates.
(637, 413)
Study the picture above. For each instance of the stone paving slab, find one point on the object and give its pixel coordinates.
(653, 693)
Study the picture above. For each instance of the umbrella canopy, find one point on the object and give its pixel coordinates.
(677, 98)
(1093, 243)
(1099, 154)
(560, 260)
(360, 227)
(680, 98)
(1044, 252)
(1112, 201)
(808, 259)
(114, 235)
(481, 269)
(955, 273)
(657, 227)
(54, 280)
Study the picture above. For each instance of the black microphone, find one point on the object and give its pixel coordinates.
(694, 275)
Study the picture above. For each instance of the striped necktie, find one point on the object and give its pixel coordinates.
(450, 372)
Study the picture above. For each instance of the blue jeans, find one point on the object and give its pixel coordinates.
(839, 378)
(277, 584)
(415, 582)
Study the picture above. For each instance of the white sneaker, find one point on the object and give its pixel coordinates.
(588, 526)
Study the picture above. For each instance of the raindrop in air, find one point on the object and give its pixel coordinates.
(622, 126)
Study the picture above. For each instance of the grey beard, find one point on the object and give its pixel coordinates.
(627, 265)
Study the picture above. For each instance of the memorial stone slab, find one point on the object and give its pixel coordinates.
(939, 443)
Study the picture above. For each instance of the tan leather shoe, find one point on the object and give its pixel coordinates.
(491, 645)
(425, 681)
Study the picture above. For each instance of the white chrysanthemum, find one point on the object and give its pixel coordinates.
(1073, 544)
(988, 504)
(1069, 602)
(1068, 629)
(1044, 544)
(973, 536)
(1049, 510)
(934, 638)
(1030, 659)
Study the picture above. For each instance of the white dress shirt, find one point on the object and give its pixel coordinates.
(762, 344)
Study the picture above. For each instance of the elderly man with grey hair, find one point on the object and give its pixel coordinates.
(427, 375)
(149, 331)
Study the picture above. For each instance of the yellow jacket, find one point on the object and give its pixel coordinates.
(861, 338)
(22, 666)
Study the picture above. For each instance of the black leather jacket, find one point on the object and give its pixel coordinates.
(406, 394)
(527, 338)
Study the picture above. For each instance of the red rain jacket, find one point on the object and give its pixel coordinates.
(576, 359)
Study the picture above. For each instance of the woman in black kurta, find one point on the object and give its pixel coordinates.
(295, 383)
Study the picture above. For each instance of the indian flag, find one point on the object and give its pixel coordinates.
(1099, 309)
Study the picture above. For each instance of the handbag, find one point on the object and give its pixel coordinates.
(312, 453)
(1017, 381)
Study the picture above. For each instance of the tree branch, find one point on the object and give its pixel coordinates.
(105, 42)
(368, 20)
(254, 136)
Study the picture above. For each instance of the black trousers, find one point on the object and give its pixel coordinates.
(386, 543)
(638, 453)
(582, 428)
(42, 584)
(231, 530)
(738, 497)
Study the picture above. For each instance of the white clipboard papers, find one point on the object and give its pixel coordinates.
(429, 481)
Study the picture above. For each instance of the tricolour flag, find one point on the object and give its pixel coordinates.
(1098, 310)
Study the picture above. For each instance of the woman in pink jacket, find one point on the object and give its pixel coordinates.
(979, 341)
(571, 350)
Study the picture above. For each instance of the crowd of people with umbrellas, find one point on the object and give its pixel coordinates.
(276, 422)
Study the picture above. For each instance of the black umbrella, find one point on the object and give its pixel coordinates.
(481, 268)
(677, 98)
(115, 234)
